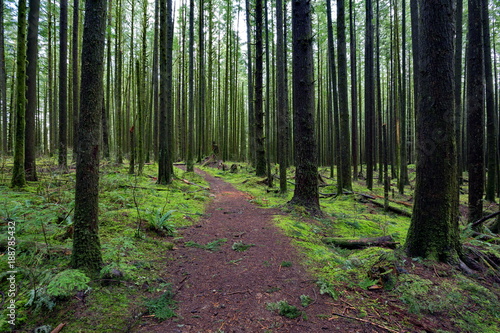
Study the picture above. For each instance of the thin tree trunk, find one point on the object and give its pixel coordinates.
(260, 167)
(75, 65)
(63, 86)
(190, 144)
(475, 111)
(3, 82)
(354, 91)
(369, 96)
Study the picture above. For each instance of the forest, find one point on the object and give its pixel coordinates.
(261, 166)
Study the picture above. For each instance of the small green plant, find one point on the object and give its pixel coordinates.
(285, 309)
(326, 287)
(39, 299)
(163, 307)
(212, 246)
(67, 282)
(161, 223)
(305, 300)
(240, 246)
(286, 264)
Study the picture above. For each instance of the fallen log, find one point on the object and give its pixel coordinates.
(354, 244)
(389, 208)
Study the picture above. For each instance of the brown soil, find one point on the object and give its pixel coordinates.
(228, 291)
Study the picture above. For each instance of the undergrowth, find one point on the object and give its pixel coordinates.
(138, 223)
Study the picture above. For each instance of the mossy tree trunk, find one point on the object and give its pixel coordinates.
(31, 92)
(18, 174)
(434, 232)
(86, 246)
(306, 178)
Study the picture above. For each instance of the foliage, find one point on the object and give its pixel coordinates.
(285, 309)
(211, 246)
(162, 307)
(305, 300)
(240, 246)
(161, 222)
(67, 282)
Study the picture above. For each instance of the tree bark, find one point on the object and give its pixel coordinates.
(18, 174)
(260, 154)
(306, 188)
(3, 82)
(434, 231)
(63, 86)
(31, 92)
(369, 96)
(86, 245)
(475, 111)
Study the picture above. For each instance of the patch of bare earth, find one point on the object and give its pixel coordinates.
(228, 291)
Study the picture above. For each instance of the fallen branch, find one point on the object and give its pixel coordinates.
(191, 183)
(389, 208)
(364, 321)
(58, 328)
(352, 244)
(484, 219)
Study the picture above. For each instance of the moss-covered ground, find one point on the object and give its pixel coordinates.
(138, 223)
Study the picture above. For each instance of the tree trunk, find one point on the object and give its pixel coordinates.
(250, 88)
(475, 111)
(491, 129)
(281, 97)
(75, 65)
(190, 143)
(354, 91)
(345, 150)
(3, 82)
(63, 86)
(165, 167)
(369, 96)
(260, 154)
(86, 246)
(31, 92)
(306, 188)
(18, 174)
(434, 231)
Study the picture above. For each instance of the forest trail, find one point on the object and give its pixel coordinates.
(223, 290)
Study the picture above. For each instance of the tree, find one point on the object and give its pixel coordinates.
(75, 67)
(63, 85)
(3, 82)
(86, 246)
(475, 111)
(260, 154)
(165, 167)
(354, 91)
(281, 96)
(434, 231)
(306, 177)
(369, 96)
(18, 174)
(345, 150)
(190, 144)
(491, 129)
(31, 92)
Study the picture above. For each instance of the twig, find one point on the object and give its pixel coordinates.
(365, 321)
(58, 328)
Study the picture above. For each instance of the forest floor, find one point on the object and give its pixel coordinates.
(217, 251)
(225, 290)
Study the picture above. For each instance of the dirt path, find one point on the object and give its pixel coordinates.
(227, 291)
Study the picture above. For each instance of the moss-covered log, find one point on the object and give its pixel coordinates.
(353, 244)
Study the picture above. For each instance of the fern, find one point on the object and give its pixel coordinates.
(163, 307)
(67, 282)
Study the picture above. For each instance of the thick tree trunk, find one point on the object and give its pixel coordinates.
(31, 92)
(86, 246)
(434, 231)
(18, 174)
(306, 188)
